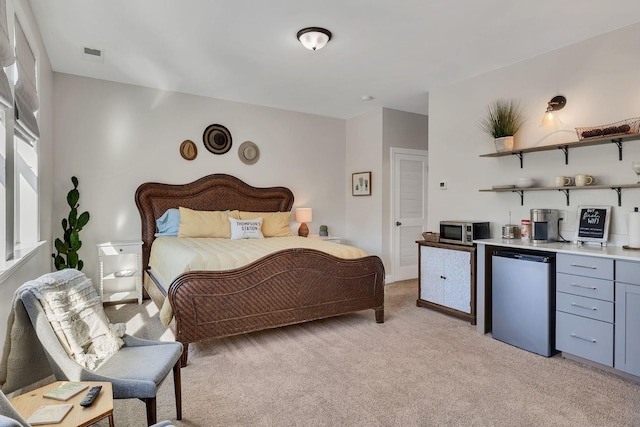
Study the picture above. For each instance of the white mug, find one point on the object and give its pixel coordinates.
(561, 181)
(582, 180)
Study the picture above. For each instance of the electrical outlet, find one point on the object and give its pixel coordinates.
(443, 185)
(563, 216)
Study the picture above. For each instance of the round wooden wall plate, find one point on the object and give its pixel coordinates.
(217, 139)
(188, 150)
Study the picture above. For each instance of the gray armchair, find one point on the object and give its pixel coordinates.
(9, 417)
(135, 371)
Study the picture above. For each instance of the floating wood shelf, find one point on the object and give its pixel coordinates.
(564, 147)
(566, 190)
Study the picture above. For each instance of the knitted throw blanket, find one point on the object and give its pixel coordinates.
(74, 309)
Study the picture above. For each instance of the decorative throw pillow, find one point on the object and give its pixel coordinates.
(205, 223)
(168, 223)
(274, 224)
(246, 229)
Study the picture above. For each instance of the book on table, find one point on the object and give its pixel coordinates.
(65, 391)
(49, 414)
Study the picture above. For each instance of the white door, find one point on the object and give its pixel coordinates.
(409, 196)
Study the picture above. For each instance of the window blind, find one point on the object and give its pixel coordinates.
(6, 58)
(26, 94)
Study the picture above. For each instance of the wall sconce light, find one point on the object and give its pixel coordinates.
(314, 38)
(303, 215)
(550, 119)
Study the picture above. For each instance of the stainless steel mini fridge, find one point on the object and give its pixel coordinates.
(523, 301)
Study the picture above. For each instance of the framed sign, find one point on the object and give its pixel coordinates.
(592, 224)
(361, 184)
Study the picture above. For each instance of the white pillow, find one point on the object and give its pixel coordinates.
(246, 228)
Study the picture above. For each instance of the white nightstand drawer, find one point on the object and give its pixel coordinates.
(120, 248)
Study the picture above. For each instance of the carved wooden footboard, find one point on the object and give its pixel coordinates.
(284, 288)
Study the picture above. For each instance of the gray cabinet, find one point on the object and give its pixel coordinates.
(447, 278)
(627, 337)
(585, 307)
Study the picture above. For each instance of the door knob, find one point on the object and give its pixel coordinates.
(398, 223)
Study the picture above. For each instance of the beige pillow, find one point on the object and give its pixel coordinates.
(274, 224)
(205, 223)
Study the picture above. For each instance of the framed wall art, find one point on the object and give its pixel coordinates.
(361, 184)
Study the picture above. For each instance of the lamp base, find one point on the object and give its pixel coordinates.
(303, 230)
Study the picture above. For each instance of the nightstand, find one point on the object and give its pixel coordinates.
(120, 271)
(333, 239)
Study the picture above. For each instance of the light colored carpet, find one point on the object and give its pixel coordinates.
(419, 368)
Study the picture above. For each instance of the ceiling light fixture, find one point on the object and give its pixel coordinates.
(314, 38)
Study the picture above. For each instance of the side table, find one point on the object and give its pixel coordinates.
(120, 271)
(102, 407)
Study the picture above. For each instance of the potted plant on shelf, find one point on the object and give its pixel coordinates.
(504, 118)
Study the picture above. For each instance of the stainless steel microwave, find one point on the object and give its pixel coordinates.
(463, 232)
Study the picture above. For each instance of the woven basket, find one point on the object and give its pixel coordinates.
(431, 236)
(623, 127)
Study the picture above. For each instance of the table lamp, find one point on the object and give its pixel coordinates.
(303, 215)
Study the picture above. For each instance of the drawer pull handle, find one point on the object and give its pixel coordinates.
(575, 285)
(591, 267)
(573, 304)
(591, 340)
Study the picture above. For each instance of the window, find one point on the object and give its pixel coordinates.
(26, 197)
(19, 133)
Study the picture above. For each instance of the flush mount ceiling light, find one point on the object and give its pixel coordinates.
(314, 38)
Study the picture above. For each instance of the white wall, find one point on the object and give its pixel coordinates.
(114, 137)
(599, 77)
(400, 130)
(369, 141)
(40, 263)
(363, 154)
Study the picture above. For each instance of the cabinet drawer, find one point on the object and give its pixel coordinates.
(583, 306)
(587, 338)
(585, 286)
(601, 268)
(120, 249)
(628, 272)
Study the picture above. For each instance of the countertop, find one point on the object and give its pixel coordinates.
(589, 249)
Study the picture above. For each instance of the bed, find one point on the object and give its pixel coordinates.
(286, 287)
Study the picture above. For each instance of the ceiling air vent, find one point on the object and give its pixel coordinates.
(91, 54)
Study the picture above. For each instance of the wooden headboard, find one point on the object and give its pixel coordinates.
(217, 192)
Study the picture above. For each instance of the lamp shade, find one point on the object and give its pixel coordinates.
(314, 38)
(303, 215)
